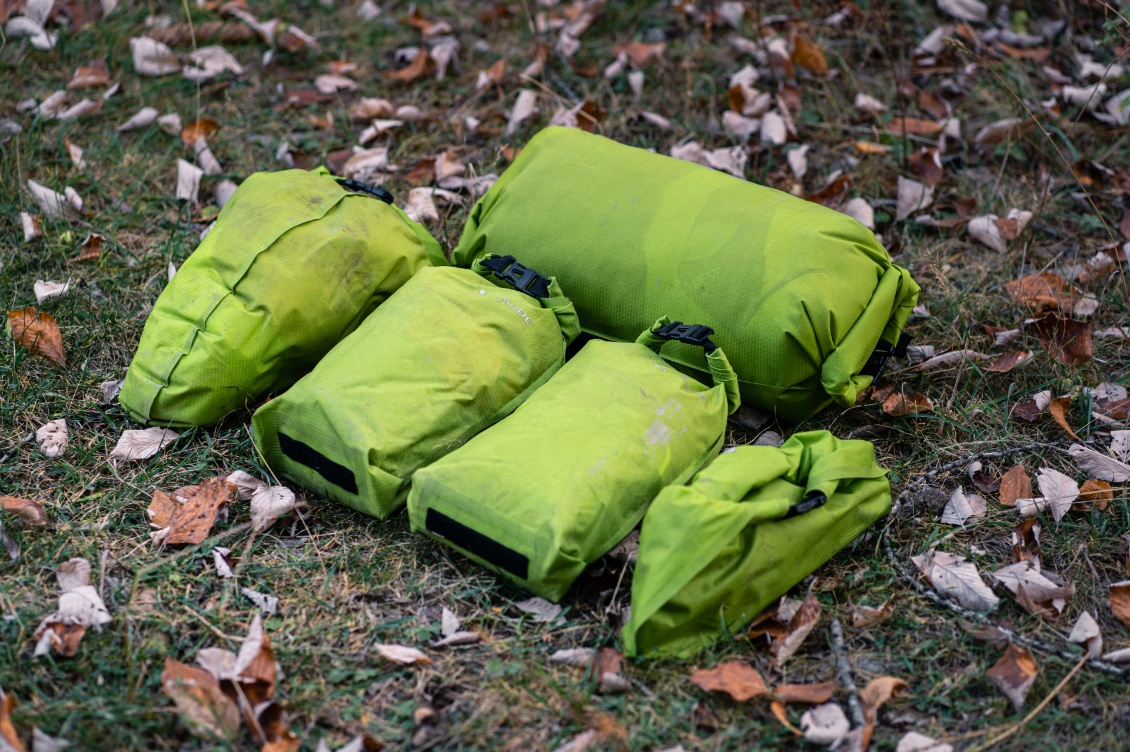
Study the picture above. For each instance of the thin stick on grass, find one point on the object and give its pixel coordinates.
(844, 675)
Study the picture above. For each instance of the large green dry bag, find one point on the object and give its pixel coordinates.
(450, 353)
(810, 303)
(758, 520)
(545, 492)
(293, 264)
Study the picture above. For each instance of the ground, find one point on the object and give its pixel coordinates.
(346, 582)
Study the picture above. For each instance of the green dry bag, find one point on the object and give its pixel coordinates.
(451, 352)
(756, 521)
(293, 264)
(810, 303)
(545, 492)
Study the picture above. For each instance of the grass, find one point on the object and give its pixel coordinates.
(345, 581)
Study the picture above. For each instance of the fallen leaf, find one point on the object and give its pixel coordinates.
(525, 107)
(912, 196)
(861, 211)
(913, 741)
(543, 611)
(31, 512)
(966, 10)
(492, 76)
(900, 403)
(813, 694)
(825, 724)
(955, 577)
(402, 654)
(52, 438)
(641, 53)
(152, 58)
(962, 507)
(268, 504)
(1098, 465)
(144, 117)
(42, 742)
(1015, 484)
(913, 126)
(142, 444)
(1000, 130)
(203, 707)
(204, 128)
(110, 390)
(1066, 340)
(1086, 632)
(877, 693)
(421, 64)
(91, 248)
(781, 713)
(210, 62)
(44, 290)
(1058, 409)
(8, 736)
(188, 181)
(1058, 490)
(807, 54)
(1032, 408)
(737, 679)
(1005, 362)
(800, 625)
(80, 606)
(868, 616)
(1097, 493)
(1034, 591)
(74, 151)
(31, 225)
(37, 332)
(1014, 675)
(927, 165)
(1120, 601)
(1049, 290)
(578, 657)
(869, 105)
(189, 514)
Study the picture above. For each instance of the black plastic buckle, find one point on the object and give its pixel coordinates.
(813, 500)
(691, 334)
(372, 190)
(884, 351)
(523, 278)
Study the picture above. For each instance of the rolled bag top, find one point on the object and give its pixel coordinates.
(553, 299)
(808, 298)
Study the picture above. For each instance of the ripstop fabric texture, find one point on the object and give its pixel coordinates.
(715, 553)
(803, 293)
(545, 492)
(449, 353)
(293, 264)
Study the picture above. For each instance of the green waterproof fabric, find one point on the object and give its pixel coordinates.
(803, 293)
(293, 264)
(545, 492)
(449, 353)
(715, 553)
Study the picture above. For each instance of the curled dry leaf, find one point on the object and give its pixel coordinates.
(1031, 409)
(37, 332)
(267, 604)
(1005, 362)
(807, 54)
(825, 724)
(913, 741)
(1097, 493)
(541, 609)
(52, 438)
(813, 694)
(188, 181)
(8, 735)
(1098, 465)
(1034, 591)
(868, 616)
(739, 680)
(142, 444)
(963, 507)
(1014, 675)
(152, 58)
(188, 515)
(800, 625)
(1058, 408)
(1015, 484)
(578, 657)
(144, 117)
(80, 606)
(1120, 601)
(899, 403)
(268, 503)
(955, 577)
(401, 654)
(1066, 340)
(1086, 632)
(1049, 290)
(203, 706)
(877, 693)
(912, 196)
(31, 512)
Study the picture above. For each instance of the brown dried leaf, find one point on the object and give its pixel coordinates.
(31, 512)
(1026, 540)
(1120, 601)
(88, 76)
(1058, 409)
(1014, 675)
(1066, 340)
(90, 249)
(781, 714)
(1046, 290)
(203, 128)
(913, 126)
(209, 32)
(1098, 492)
(832, 193)
(868, 616)
(932, 105)
(1005, 362)
(799, 627)
(1015, 484)
(188, 516)
(898, 404)
(420, 66)
(37, 331)
(203, 707)
(807, 54)
(8, 735)
(737, 679)
(927, 165)
(813, 694)
(641, 53)
(877, 692)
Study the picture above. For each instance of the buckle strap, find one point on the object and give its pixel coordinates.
(691, 334)
(523, 278)
(812, 500)
(884, 351)
(372, 190)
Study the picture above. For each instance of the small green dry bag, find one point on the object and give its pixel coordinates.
(810, 302)
(756, 521)
(450, 353)
(293, 264)
(545, 492)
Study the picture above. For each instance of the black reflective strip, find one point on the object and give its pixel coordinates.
(472, 541)
(340, 475)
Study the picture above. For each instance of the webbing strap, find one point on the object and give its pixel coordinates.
(523, 278)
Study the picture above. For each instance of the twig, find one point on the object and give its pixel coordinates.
(843, 674)
(16, 447)
(1009, 731)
